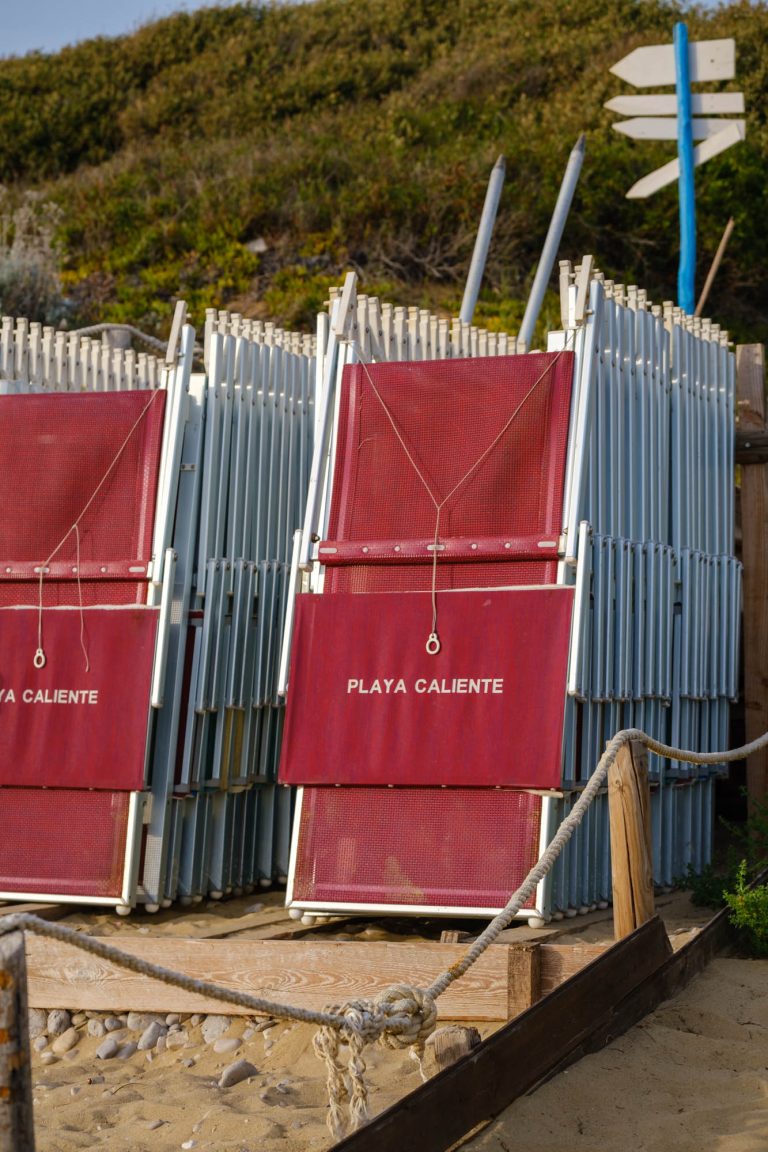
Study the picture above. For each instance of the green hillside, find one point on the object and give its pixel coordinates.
(246, 156)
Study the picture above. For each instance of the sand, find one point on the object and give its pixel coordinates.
(691, 1077)
(694, 1074)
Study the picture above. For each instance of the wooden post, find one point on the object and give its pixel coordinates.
(750, 394)
(17, 1132)
(629, 807)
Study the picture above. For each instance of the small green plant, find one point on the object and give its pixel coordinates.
(749, 911)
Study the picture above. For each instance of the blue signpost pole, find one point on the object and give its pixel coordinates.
(687, 267)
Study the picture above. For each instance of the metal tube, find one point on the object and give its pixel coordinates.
(483, 241)
(552, 242)
(687, 268)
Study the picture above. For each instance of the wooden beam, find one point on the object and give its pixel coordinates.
(561, 961)
(17, 1132)
(518, 1056)
(306, 973)
(524, 973)
(265, 918)
(750, 393)
(751, 447)
(44, 911)
(629, 807)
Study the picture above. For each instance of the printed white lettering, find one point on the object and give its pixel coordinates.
(55, 696)
(458, 686)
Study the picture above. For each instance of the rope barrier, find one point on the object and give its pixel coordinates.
(98, 329)
(400, 1016)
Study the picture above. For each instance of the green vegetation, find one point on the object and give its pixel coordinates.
(749, 912)
(727, 881)
(361, 134)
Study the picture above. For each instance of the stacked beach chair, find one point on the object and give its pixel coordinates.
(464, 566)
(558, 526)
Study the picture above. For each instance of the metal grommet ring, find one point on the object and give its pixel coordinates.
(39, 660)
(433, 644)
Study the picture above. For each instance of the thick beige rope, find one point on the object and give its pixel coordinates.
(400, 1016)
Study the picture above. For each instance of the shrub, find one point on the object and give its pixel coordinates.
(29, 266)
(749, 911)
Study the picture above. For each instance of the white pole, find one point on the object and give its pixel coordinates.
(552, 242)
(483, 241)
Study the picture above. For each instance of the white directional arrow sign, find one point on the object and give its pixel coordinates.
(665, 127)
(654, 117)
(668, 173)
(702, 104)
(654, 65)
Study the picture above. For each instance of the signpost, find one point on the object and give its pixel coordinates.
(685, 117)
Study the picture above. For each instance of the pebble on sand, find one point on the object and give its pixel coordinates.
(226, 1044)
(151, 1035)
(235, 1073)
(58, 1021)
(213, 1027)
(177, 1039)
(37, 1020)
(108, 1049)
(65, 1041)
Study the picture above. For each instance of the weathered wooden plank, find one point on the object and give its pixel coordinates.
(17, 1132)
(659, 986)
(751, 447)
(561, 961)
(517, 1056)
(305, 973)
(228, 926)
(750, 392)
(44, 911)
(629, 808)
(524, 978)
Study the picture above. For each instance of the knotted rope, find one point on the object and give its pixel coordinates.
(401, 1016)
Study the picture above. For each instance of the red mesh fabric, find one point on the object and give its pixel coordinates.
(456, 848)
(418, 577)
(449, 415)
(54, 451)
(68, 843)
(63, 593)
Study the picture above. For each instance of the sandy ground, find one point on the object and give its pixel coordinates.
(692, 1075)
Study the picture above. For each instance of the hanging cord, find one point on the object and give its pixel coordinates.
(433, 643)
(40, 658)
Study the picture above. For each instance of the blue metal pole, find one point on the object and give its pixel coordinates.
(686, 273)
